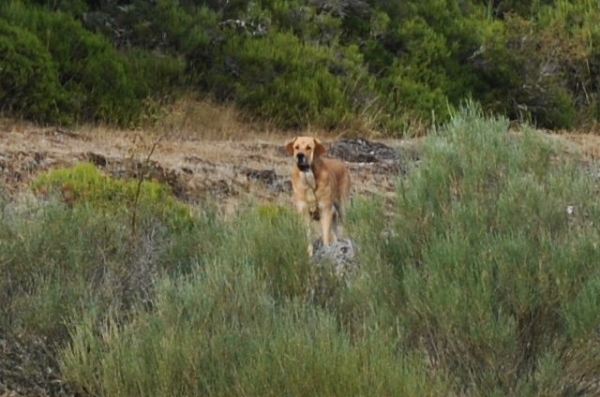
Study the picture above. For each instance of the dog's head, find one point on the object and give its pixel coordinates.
(305, 150)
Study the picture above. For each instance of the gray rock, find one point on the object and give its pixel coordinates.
(333, 267)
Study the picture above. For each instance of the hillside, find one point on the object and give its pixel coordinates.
(227, 171)
(239, 169)
(241, 166)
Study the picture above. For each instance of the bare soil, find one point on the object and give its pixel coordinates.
(229, 171)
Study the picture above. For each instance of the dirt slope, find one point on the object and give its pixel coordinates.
(242, 166)
(230, 170)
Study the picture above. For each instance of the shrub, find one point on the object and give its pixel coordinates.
(273, 241)
(155, 76)
(415, 86)
(160, 26)
(285, 82)
(28, 83)
(85, 185)
(58, 263)
(490, 260)
(91, 71)
(219, 333)
(75, 7)
(526, 69)
(280, 79)
(97, 83)
(408, 101)
(63, 262)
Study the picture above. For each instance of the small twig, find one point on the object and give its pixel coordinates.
(140, 179)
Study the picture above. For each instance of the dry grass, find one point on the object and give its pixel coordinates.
(192, 135)
(196, 119)
(203, 147)
(207, 146)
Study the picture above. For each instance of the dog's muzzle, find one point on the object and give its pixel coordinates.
(302, 162)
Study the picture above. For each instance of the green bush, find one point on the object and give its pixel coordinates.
(527, 69)
(74, 7)
(28, 84)
(273, 240)
(491, 262)
(349, 65)
(159, 77)
(219, 333)
(63, 262)
(85, 185)
(90, 70)
(59, 263)
(408, 100)
(414, 87)
(278, 78)
(288, 83)
(97, 82)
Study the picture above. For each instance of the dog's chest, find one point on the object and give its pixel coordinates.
(309, 186)
(307, 179)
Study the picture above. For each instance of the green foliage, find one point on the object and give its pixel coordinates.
(158, 78)
(74, 7)
(218, 333)
(85, 185)
(527, 8)
(414, 86)
(96, 82)
(526, 68)
(62, 263)
(92, 72)
(163, 24)
(330, 64)
(28, 83)
(408, 100)
(490, 260)
(480, 278)
(273, 240)
(56, 263)
(294, 85)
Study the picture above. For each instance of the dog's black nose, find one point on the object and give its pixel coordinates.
(302, 162)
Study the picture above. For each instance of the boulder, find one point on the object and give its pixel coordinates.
(333, 267)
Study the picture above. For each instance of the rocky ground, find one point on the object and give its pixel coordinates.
(226, 170)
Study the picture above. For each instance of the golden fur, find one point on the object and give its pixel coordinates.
(321, 185)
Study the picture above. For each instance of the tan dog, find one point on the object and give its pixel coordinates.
(321, 185)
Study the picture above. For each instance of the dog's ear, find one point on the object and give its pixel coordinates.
(320, 149)
(289, 147)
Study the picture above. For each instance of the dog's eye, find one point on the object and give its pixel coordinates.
(308, 148)
(297, 147)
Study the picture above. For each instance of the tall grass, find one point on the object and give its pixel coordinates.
(220, 333)
(482, 280)
(494, 269)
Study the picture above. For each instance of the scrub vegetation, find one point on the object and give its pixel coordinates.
(479, 278)
(350, 65)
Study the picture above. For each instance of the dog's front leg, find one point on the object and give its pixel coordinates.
(306, 219)
(326, 221)
(302, 209)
